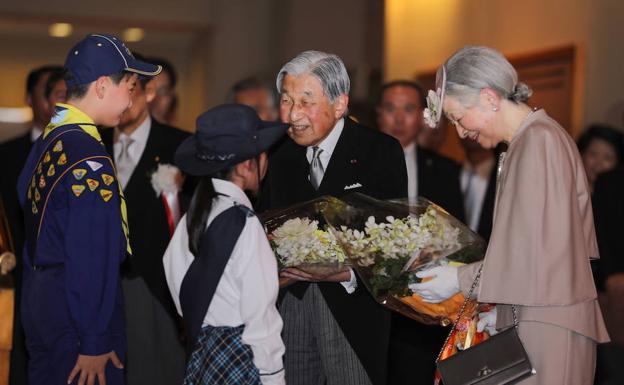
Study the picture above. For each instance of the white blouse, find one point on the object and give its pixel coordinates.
(248, 289)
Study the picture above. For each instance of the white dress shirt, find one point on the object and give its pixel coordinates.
(328, 145)
(247, 292)
(135, 150)
(474, 182)
(35, 133)
(412, 170)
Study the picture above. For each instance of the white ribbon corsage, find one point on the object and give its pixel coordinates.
(166, 179)
(433, 112)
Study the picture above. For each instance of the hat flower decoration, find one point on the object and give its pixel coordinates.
(433, 112)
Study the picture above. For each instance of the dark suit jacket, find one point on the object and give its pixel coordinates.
(438, 181)
(375, 161)
(414, 346)
(147, 218)
(608, 204)
(13, 156)
(487, 209)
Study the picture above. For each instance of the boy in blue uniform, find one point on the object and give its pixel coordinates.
(75, 223)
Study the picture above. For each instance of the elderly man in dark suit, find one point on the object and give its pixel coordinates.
(334, 331)
(141, 147)
(413, 346)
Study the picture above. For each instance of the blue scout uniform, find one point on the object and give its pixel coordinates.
(76, 239)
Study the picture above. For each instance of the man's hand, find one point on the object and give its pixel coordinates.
(91, 367)
(292, 273)
(7, 262)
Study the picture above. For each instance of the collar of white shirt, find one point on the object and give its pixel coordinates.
(139, 136)
(35, 133)
(232, 191)
(483, 169)
(412, 169)
(410, 151)
(327, 145)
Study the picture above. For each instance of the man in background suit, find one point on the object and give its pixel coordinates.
(140, 144)
(608, 205)
(478, 186)
(334, 331)
(257, 94)
(414, 346)
(13, 156)
(164, 106)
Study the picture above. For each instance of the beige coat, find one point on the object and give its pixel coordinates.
(543, 235)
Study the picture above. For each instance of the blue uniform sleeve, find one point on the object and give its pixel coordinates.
(95, 247)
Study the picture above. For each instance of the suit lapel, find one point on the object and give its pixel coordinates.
(146, 165)
(299, 168)
(107, 138)
(341, 168)
(421, 171)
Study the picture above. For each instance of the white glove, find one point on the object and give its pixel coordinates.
(487, 322)
(442, 287)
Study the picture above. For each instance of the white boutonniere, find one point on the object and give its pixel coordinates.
(166, 179)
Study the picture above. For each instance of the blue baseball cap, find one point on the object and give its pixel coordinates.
(103, 55)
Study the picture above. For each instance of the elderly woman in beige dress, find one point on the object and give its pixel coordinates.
(543, 232)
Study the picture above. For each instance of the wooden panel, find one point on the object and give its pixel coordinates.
(549, 73)
(6, 326)
(7, 303)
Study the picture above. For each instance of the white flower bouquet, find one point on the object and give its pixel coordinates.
(389, 241)
(299, 238)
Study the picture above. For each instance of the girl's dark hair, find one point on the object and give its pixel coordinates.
(200, 207)
(607, 133)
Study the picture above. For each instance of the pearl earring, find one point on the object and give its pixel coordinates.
(494, 108)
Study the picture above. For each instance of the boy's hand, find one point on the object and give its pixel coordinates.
(91, 367)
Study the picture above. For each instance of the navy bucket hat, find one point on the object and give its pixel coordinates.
(226, 135)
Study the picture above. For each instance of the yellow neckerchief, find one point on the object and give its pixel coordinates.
(67, 114)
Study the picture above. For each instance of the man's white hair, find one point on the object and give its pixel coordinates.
(327, 68)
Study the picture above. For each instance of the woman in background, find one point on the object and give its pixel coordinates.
(601, 148)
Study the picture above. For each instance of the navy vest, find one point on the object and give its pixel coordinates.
(201, 279)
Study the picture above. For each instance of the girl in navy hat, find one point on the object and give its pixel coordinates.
(219, 265)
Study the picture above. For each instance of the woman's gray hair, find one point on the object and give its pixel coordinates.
(327, 68)
(474, 68)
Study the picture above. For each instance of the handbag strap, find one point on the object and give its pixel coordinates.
(463, 308)
(499, 169)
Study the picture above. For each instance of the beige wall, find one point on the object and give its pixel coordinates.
(421, 34)
(213, 43)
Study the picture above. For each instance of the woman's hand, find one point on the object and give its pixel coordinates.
(441, 287)
(487, 322)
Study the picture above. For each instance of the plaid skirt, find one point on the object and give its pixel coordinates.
(221, 358)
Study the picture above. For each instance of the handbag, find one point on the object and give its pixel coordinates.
(501, 359)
